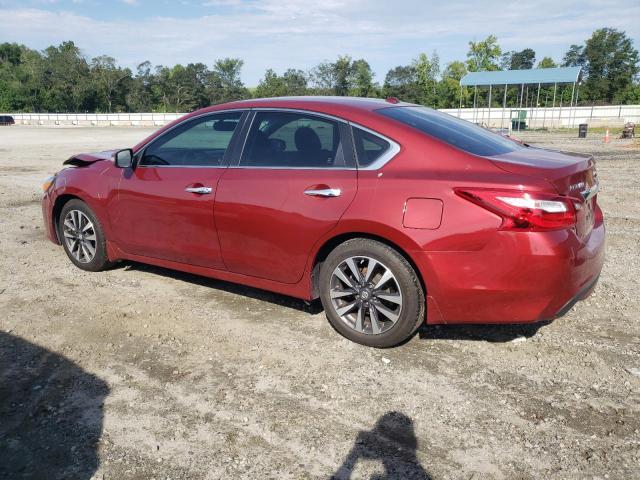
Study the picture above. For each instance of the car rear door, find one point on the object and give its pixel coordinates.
(164, 206)
(294, 180)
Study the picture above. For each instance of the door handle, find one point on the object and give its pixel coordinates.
(324, 192)
(199, 190)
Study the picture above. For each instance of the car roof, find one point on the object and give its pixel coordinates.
(325, 104)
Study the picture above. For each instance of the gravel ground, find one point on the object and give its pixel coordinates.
(140, 372)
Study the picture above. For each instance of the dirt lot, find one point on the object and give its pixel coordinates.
(140, 372)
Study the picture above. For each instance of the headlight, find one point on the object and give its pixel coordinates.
(46, 185)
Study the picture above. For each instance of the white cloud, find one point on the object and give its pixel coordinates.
(292, 33)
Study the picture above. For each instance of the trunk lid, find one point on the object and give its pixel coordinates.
(571, 174)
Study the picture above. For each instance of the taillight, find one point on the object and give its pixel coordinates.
(522, 210)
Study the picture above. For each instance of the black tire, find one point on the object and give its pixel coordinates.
(99, 261)
(410, 315)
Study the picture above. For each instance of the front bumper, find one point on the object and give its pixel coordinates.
(48, 203)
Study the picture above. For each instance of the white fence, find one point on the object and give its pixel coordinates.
(558, 117)
(95, 119)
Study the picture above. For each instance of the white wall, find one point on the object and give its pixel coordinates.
(95, 119)
(536, 117)
(558, 117)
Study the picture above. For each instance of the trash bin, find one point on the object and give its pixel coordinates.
(582, 130)
(518, 119)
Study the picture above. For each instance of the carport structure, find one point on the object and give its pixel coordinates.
(504, 78)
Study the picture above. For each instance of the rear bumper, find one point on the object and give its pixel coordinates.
(518, 277)
(581, 295)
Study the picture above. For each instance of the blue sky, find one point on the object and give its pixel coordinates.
(301, 33)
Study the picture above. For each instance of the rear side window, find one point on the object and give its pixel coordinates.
(369, 147)
(454, 131)
(293, 140)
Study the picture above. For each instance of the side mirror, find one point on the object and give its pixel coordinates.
(124, 158)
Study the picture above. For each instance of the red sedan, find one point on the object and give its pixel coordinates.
(392, 214)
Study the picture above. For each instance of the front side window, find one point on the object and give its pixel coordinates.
(201, 142)
(454, 131)
(293, 140)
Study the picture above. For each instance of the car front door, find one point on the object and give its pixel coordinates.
(294, 180)
(164, 206)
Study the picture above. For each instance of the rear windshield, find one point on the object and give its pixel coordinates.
(454, 131)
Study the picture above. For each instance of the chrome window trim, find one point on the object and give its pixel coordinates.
(290, 168)
(386, 157)
(378, 164)
(180, 166)
(300, 110)
(150, 142)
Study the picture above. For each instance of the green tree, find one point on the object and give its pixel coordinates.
(547, 62)
(343, 74)
(449, 86)
(363, 85)
(574, 57)
(10, 53)
(402, 82)
(224, 83)
(343, 77)
(141, 96)
(66, 79)
(182, 89)
(296, 82)
(523, 60)
(291, 83)
(630, 95)
(271, 85)
(30, 92)
(108, 82)
(611, 64)
(427, 72)
(335, 78)
(12, 95)
(323, 78)
(484, 55)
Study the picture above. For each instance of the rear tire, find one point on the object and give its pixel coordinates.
(371, 294)
(82, 237)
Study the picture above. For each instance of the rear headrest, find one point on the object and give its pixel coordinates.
(307, 140)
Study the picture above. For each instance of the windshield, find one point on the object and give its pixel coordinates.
(454, 131)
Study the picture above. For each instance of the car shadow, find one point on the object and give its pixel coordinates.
(313, 307)
(392, 442)
(486, 333)
(50, 414)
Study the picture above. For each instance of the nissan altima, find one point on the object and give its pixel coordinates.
(392, 214)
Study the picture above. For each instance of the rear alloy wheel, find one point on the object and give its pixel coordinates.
(82, 237)
(371, 294)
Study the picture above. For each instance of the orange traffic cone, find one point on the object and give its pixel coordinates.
(607, 137)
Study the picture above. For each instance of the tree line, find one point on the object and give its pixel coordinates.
(61, 79)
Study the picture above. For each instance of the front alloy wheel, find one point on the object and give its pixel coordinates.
(82, 236)
(79, 235)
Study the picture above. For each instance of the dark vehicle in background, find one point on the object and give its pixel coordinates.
(7, 120)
